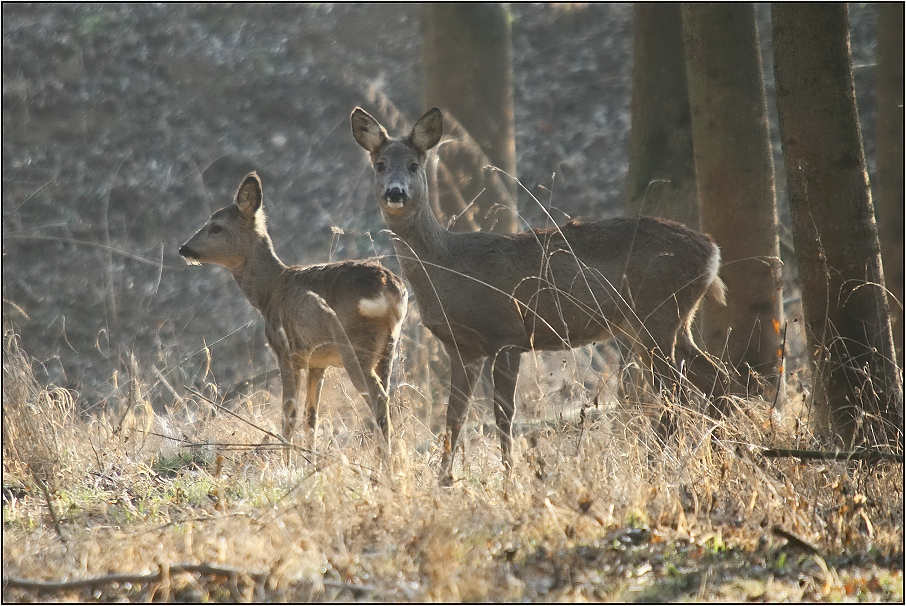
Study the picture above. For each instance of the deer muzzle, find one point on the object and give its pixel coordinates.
(188, 255)
(396, 197)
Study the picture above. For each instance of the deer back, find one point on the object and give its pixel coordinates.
(305, 306)
(560, 287)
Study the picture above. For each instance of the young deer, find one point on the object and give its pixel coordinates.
(498, 295)
(338, 314)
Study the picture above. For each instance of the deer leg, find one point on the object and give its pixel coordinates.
(704, 373)
(378, 398)
(291, 376)
(463, 374)
(359, 362)
(665, 377)
(380, 405)
(312, 396)
(506, 371)
(385, 364)
(632, 381)
(655, 347)
(382, 370)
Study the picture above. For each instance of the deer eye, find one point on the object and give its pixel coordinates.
(216, 229)
(413, 167)
(380, 167)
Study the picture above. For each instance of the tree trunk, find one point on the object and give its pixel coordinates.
(889, 185)
(857, 388)
(468, 73)
(735, 174)
(661, 179)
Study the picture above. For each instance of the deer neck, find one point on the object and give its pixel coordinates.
(259, 273)
(418, 236)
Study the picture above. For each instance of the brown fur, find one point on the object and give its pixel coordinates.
(497, 295)
(313, 315)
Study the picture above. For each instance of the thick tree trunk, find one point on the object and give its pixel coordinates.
(661, 179)
(844, 302)
(735, 175)
(468, 73)
(889, 185)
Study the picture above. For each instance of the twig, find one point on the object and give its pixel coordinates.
(53, 513)
(219, 445)
(166, 383)
(283, 441)
(204, 569)
(781, 370)
(90, 244)
(794, 540)
(30, 196)
(857, 455)
(367, 589)
(280, 439)
(252, 382)
(163, 575)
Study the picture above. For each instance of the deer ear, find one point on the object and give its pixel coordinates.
(427, 131)
(367, 131)
(249, 196)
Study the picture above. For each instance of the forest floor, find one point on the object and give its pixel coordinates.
(210, 507)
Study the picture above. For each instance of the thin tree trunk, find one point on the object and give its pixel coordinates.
(661, 179)
(857, 385)
(889, 185)
(735, 175)
(468, 73)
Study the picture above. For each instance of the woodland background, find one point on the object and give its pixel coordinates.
(126, 125)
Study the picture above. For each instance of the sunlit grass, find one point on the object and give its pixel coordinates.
(594, 509)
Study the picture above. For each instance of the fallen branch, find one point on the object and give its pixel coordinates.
(204, 569)
(352, 587)
(857, 455)
(259, 446)
(163, 576)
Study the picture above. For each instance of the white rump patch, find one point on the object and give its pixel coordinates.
(400, 314)
(716, 287)
(374, 308)
(285, 340)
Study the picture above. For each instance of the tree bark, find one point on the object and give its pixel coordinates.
(857, 388)
(735, 175)
(889, 186)
(468, 73)
(661, 179)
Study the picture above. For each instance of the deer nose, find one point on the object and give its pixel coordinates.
(396, 195)
(185, 251)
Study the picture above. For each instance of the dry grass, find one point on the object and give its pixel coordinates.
(594, 509)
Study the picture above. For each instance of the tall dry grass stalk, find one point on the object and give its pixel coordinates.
(37, 420)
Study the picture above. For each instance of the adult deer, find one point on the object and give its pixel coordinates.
(337, 314)
(498, 295)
